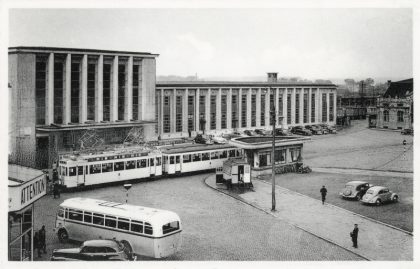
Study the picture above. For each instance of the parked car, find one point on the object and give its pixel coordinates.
(259, 131)
(94, 250)
(202, 139)
(378, 195)
(219, 140)
(299, 130)
(248, 132)
(329, 128)
(355, 190)
(281, 132)
(313, 129)
(322, 128)
(407, 132)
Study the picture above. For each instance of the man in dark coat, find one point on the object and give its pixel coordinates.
(56, 189)
(42, 235)
(323, 193)
(354, 235)
(36, 244)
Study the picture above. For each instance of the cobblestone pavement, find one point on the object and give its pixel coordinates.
(362, 148)
(376, 241)
(216, 227)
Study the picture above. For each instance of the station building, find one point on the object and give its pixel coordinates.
(60, 96)
(222, 107)
(56, 94)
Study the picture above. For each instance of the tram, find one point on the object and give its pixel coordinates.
(135, 163)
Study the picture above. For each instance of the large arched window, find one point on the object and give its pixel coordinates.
(400, 115)
(386, 115)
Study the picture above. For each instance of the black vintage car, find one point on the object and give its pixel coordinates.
(94, 250)
(299, 130)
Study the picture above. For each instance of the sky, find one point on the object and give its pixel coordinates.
(231, 42)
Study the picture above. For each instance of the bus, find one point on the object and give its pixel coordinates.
(144, 231)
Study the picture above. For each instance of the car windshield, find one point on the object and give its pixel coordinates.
(370, 192)
(349, 186)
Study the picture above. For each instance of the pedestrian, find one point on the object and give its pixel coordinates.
(56, 189)
(42, 235)
(36, 244)
(323, 193)
(354, 235)
(189, 133)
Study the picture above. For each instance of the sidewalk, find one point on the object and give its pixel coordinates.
(376, 241)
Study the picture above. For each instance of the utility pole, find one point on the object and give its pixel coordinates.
(273, 171)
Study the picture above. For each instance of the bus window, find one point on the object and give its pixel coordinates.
(75, 215)
(136, 226)
(186, 158)
(170, 227)
(87, 217)
(158, 161)
(80, 170)
(152, 162)
(196, 157)
(148, 228)
(110, 221)
(130, 165)
(107, 167)
(177, 159)
(223, 154)
(171, 160)
(60, 212)
(123, 224)
(72, 171)
(206, 156)
(98, 219)
(95, 168)
(119, 166)
(232, 153)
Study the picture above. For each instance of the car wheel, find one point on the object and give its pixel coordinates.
(128, 249)
(378, 202)
(395, 199)
(63, 236)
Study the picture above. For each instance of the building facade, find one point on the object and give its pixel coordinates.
(395, 107)
(58, 94)
(221, 107)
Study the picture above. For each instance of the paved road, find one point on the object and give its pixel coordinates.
(216, 227)
(376, 241)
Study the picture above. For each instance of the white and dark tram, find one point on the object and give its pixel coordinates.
(131, 163)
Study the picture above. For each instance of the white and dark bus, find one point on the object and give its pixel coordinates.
(144, 231)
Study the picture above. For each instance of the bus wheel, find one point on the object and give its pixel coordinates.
(63, 236)
(128, 249)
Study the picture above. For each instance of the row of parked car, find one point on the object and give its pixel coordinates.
(367, 193)
(316, 129)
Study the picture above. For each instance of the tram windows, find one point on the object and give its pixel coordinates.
(142, 163)
(148, 229)
(186, 158)
(152, 162)
(95, 169)
(119, 166)
(75, 215)
(98, 219)
(223, 154)
(136, 226)
(72, 171)
(130, 165)
(80, 170)
(232, 153)
(196, 157)
(158, 161)
(206, 156)
(214, 155)
(171, 160)
(123, 224)
(107, 167)
(238, 152)
(110, 221)
(177, 159)
(87, 217)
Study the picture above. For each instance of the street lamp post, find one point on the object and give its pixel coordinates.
(273, 172)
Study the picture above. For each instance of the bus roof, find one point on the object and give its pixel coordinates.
(191, 148)
(134, 212)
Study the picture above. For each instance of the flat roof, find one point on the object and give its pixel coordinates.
(23, 49)
(93, 125)
(18, 175)
(187, 147)
(259, 142)
(175, 84)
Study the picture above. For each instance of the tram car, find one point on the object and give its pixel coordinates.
(135, 163)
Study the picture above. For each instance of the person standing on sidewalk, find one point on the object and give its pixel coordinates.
(37, 244)
(42, 236)
(354, 235)
(323, 193)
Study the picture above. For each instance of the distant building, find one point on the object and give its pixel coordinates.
(395, 107)
(353, 108)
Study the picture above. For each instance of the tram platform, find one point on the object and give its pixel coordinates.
(377, 241)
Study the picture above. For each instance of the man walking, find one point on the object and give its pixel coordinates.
(42, 244)
(37, 244)
(323, 193)
(354, 235)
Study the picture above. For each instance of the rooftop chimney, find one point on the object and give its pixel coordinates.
(272, 77)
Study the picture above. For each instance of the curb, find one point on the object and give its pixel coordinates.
(363, 169)
(292, 224)
(354, 213)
